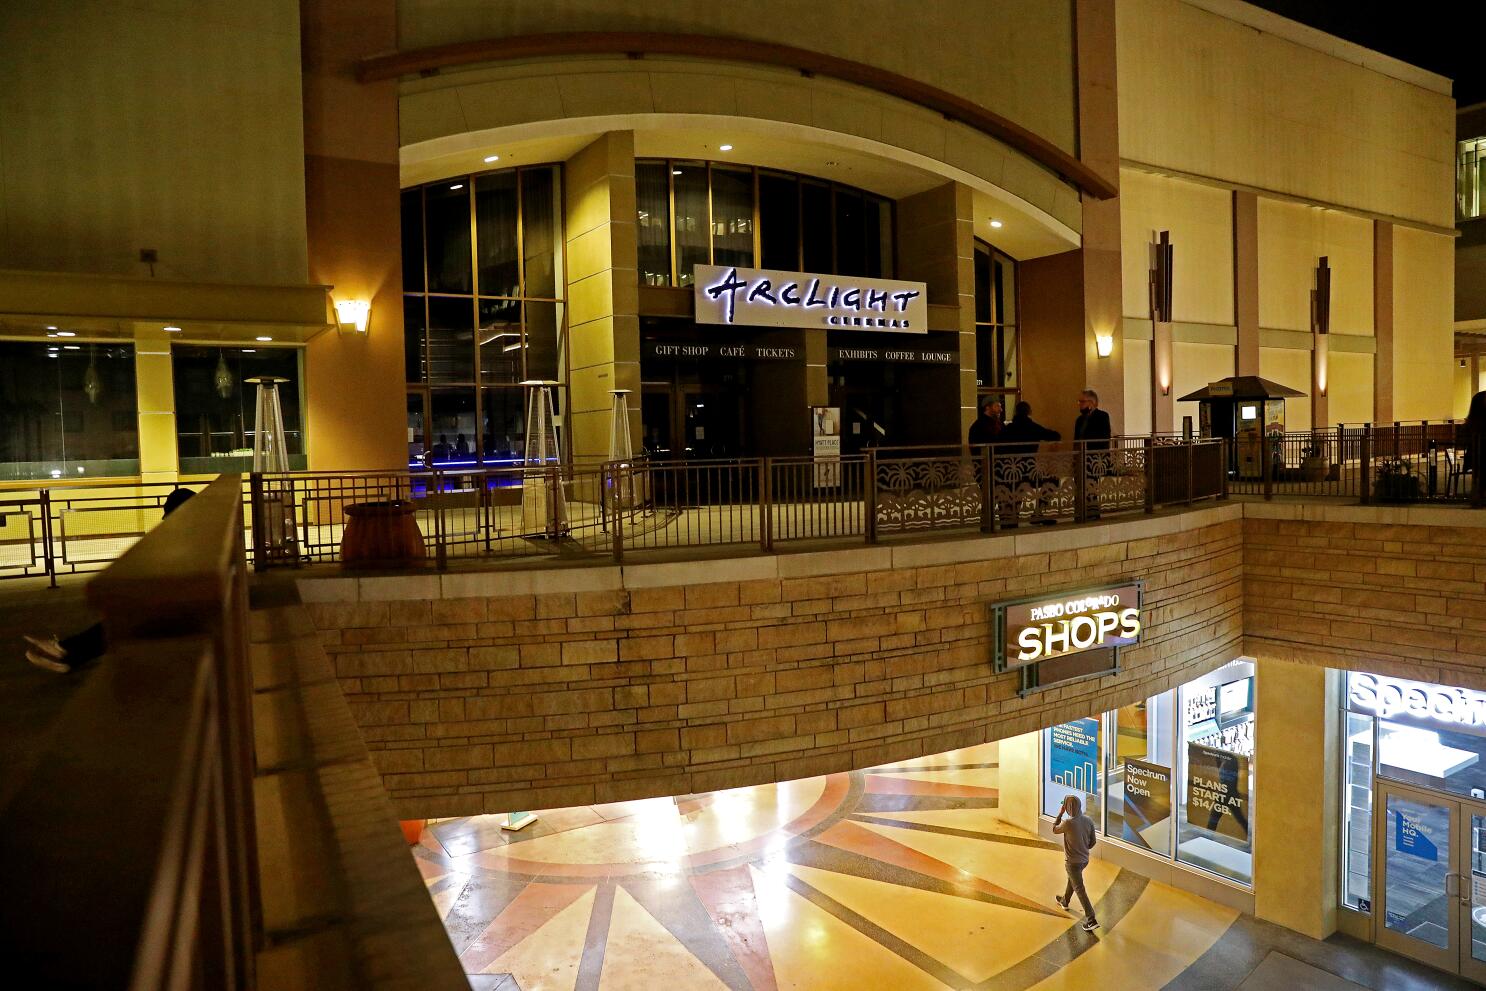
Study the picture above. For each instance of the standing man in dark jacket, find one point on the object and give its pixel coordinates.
(1021, 437)
(987, 425)
(1022, 434)
(1093, 423)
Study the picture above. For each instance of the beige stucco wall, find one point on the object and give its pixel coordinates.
(1292, 240)
(1423, 329)
(1200, 219)
(1014, 56)
(1350, 391)
(1290, 367)
(174, 126)
(1138, 386)
(1203, 94)
(1194, 366)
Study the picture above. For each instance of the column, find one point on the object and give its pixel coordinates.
(1382, 315)
(936, 246)
(355, 384)
(1246, 280)
(154, 388)
(1018, 781)
(603, 290)
(1296, 796)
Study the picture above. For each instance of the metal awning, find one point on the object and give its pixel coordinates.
(1243, 387)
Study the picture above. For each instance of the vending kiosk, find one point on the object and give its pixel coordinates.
(1243, 409)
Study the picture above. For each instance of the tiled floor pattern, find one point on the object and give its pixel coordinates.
(897, 877)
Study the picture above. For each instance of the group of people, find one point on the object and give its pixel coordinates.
(1022, 434)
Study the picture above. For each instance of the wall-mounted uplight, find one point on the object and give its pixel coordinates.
(996, 224)
(724, 147)
(352, 315)
(491, 158)
(1104, 343)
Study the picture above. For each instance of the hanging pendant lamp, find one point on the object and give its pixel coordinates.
(92, 383)
(222, 378)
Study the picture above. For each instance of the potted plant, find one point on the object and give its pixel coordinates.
(1396, 482)
(1312, 463)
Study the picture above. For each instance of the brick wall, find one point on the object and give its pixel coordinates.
(491, 691)
(1392, 591)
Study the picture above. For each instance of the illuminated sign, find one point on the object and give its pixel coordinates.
(1417, 703)
(1035, 630)
(766, 298)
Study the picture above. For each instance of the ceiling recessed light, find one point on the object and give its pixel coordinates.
(72, 347)
(263, 338)
(675, 172)
(50, 327)
(250, 350)
(53, 354)
(65, 333)
(172, 330)
(492, 158)
(457, 185)
(724, 147)
(995, 223)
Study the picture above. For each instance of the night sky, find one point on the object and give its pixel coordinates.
(1436, 36)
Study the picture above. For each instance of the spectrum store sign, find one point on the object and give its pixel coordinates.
(1417, 703)
(756, 297)
(1032, 630)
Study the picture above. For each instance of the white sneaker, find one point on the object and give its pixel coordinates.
(47, 662)
(49, 646)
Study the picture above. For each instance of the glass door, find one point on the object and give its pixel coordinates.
(1426, 890)
(1473, 897)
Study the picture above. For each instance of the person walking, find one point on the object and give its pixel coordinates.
(1474, 438)
(987, 426)
(1077, 831)
(67, 654)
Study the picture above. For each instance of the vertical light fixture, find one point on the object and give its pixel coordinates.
(1321, 324)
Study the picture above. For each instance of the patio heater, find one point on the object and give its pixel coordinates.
(544, 507)
(271, 454)
(621, 452)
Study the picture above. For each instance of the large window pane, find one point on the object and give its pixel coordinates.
(779, 221)
(215, 405)
(1215, 815)
(653, 200)
(1071, 766)
(732, 216)
(447, 212)
(495, 234)
(453, 427)
(982, 285)
(504, 435)
(851, 234)
(417, 432)
(540, 228)
(1005, 289)
(1140, 774)
(414, 330)
(878, 224)
(451, 340)
(543, 341)
(412, 240)
(692, 219)
(500, 341)
(1357, 813)
(815, 226)
(67, 411)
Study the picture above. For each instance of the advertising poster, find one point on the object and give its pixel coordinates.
(1147, 816)
(1218, 791)
(1411, 835)
(825, 429)
(1073, 757)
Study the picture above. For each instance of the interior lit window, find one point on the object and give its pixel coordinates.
(1215, 824)
(1470, 177)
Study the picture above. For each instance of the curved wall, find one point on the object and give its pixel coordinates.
(1014, 57)
(486, 691)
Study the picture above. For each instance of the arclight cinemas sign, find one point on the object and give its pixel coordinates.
(1032, 630)
(756, 297)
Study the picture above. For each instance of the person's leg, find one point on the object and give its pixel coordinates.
(1076, 881)
(84, 645)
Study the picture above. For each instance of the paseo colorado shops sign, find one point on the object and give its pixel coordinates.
(1032, 630)
(765, 298)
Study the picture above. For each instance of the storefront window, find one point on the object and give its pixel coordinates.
(1215, 811)
(736, 215)
(996, 330)
(67, 410)
(653, 200)
(1139, 774)
(1357, 813)
(1183, 757)
(479, 332)
(412, 240)
(216, 407)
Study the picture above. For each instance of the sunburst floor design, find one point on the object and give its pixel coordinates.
(900, 876)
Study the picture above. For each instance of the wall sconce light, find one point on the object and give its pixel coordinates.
(1165, 388)
(352, 315)
(1322, 362)
(1104, 344)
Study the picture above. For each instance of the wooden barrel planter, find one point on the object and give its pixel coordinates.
(381, 535)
